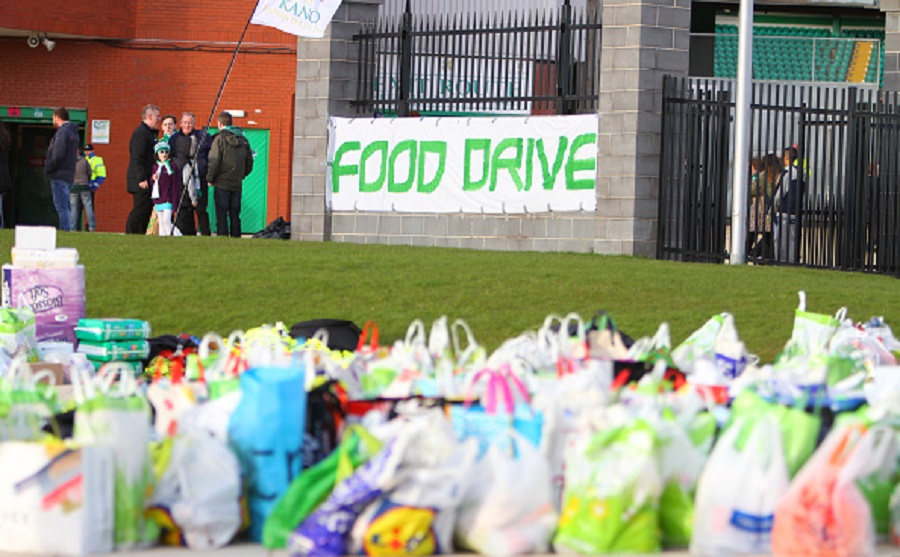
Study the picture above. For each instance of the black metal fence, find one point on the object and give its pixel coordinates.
(823, 188)
(535, 63)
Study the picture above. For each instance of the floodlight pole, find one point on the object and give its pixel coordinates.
(740, 171)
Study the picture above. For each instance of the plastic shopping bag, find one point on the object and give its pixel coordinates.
(266, 430)
(196, 501)
(681, 462)
(824, 513)
(27, 401)
(505, 406)
(610, 502)
(894, 509)
(325, 532)
(315, 484)
(799, 429)
(55, 499)
(497, 516)
(417, 516)
(171, 398)
(738, 491)
(812, 331)
(110, 413)
(18, 332)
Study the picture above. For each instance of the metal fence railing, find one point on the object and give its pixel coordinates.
(825, 190)
(515, 63)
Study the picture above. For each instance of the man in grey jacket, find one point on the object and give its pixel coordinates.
(60, 163)
(230, 161)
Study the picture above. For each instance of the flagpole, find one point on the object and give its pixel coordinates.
(212, 113)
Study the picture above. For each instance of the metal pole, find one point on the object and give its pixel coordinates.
(741, 167)
(406, 45)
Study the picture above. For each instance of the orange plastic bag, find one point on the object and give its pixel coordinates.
(824, 513)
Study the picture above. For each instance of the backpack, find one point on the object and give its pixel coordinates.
(342, 334)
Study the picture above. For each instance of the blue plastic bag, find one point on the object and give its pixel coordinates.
(266, 432)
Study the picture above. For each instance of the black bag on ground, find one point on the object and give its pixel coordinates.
(342, 334)
(278, 229)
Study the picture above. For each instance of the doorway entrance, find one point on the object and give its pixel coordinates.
(30, 200)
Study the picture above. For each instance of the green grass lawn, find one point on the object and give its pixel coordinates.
(196, 285)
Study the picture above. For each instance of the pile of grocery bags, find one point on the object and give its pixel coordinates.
(572, 438)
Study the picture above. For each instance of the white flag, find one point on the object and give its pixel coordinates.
(304, 18)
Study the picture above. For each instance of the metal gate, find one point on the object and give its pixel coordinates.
(834, 145)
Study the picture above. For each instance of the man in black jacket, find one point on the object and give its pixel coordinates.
(140, 168)
(190, 149)
(230, 161)
(60, 163)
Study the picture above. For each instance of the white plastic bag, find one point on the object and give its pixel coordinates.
(738, 491)
(499, 515)
(200, 490)
(55, 499)
(812, 331)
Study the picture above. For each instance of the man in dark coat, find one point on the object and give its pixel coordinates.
(140, 168)
(60, 163)
(230, 161)
(190, 156)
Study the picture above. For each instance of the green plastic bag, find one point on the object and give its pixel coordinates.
(681, 461)
(676, 515)
(799, 429)
(315, 484)
(894, 515)
(610, 503)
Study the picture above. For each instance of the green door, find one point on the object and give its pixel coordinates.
(254, 197)
(32, 198)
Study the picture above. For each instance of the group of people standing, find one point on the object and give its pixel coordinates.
(169, 174)
(776, 195)
(75, 174)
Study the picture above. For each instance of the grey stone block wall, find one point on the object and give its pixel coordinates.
(326, 83)
(891, 9)
(642, 41)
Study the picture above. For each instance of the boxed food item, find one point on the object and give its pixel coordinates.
(105, 351)
(112, 329)
(55, 295)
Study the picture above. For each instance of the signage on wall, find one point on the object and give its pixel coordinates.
(463, 165)
(99, 131)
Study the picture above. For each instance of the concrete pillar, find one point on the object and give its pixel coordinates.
(326, 83)
(642, 41)
(891, 9)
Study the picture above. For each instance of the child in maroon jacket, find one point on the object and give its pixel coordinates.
(166, 188)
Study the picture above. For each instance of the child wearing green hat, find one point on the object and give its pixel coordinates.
(166, 188)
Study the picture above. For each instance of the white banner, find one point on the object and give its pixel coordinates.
(304, 18)
(530, 164)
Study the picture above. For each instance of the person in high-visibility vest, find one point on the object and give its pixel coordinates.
(98, 173)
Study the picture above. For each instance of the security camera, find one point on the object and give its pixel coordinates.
(34, 41)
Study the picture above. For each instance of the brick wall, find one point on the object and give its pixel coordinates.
(115, 83)
(97, 18)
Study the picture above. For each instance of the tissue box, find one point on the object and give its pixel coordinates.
(55, 295)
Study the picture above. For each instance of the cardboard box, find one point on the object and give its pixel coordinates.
(57, 370)
(56, 296)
